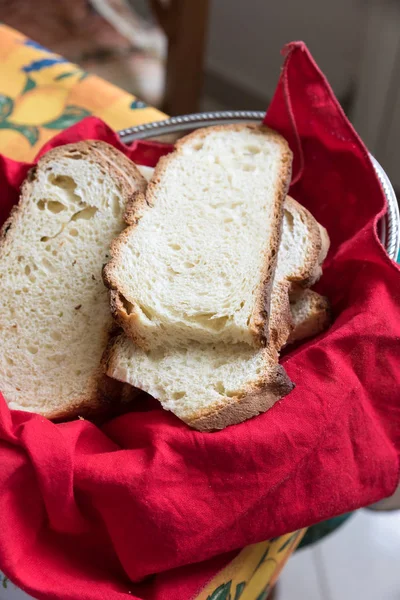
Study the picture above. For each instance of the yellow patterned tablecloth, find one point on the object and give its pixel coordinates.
(41, 94)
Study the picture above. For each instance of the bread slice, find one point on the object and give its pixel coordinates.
(216, 372)
(310, 314)
(303, 249)
(211, 386)
(197, 261)
(55, 318)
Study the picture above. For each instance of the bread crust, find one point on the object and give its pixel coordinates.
(257, 400)
(259, 320)
(281, 324)
(259, 395)
(127, 177)
(317, 320)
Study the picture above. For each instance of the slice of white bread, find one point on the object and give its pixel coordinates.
(213, 386)
(209, 387)
(310, 314)
(197, 261)
(253, 381)
(55, 318)
(303, 248)
(301, 267)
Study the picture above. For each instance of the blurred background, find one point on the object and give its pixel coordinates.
(189, 55)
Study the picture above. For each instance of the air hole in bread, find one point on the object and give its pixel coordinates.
(74, 232)
(86, 213)
(27, 270)
(33, 349)
(41, 204)
(55, 207)
(178, 395)
(175, 246)
(75, 155)
(115, 206)
(248, 167)
(289, 219)
(128, 306)
(56, 335)
(220, 388)
(62, 181)
(209, 321)
(198, 146)
(188, 265)
(253, 149)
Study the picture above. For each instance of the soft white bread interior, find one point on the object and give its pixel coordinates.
(211, 386)
(55, 318)
(198, 260)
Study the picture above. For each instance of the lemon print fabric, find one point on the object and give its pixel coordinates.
(41, 93)
(254, 571)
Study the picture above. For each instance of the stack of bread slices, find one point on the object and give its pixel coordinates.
(209, 274)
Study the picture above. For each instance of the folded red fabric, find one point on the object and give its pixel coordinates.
(87, 511)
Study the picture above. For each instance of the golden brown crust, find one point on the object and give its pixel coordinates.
(237, 410)
(281, 322)
(318, 319)
(319, 247)
(259, 322)
(116, 165)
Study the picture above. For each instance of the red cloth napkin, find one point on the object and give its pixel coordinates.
(87, 511)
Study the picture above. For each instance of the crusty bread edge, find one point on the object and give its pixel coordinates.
(258, 396)
(259, 328)
(311, 271)
(255, 401)
(100, 387)
(281, 325)
(316, 322)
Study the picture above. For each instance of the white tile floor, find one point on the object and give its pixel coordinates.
(359, 561)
